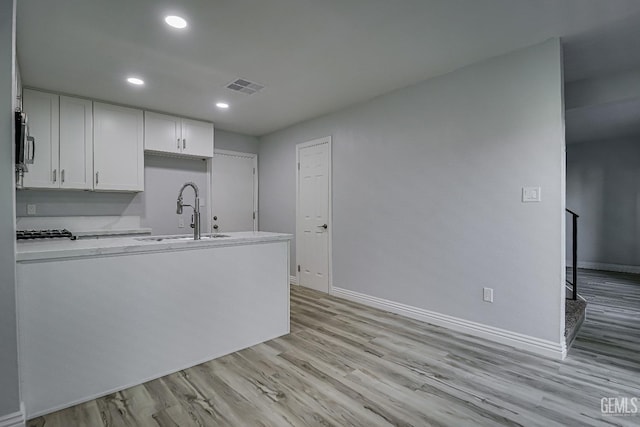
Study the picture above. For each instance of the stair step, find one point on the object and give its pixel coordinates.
(575, 313)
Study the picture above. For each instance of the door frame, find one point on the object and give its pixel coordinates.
(318, 141)
(253, 156)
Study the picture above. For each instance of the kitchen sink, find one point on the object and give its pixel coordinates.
(180, 238)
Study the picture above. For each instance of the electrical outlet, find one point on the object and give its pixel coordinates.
(487, 294)
(31, 209)
(180, 222)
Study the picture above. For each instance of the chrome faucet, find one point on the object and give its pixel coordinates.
(195, 218)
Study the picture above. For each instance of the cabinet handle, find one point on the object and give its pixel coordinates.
(178, 143)
(55, 175)
(97, 178)
(184, 144)
(62, 176)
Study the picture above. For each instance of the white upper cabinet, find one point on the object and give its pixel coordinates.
(173, 135)
(86, 145)
(43, 120)
(197, 138)
(162, 133)
(62, 128)
(118, 148)
(73, 135)
(76, 143)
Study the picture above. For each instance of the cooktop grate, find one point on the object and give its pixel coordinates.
(44, 234)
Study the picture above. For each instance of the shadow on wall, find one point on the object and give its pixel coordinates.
(603, 186)
(619, 230)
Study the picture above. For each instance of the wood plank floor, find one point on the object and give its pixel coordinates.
(346, 364)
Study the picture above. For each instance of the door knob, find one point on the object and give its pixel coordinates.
(215, 227)
(323, 226)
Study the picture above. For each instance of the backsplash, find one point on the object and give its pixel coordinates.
(82, 226)
(77, 203)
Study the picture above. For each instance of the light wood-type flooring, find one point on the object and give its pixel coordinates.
(345, 364)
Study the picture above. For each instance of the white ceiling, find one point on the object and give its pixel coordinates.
(314, 57)
(602, 51)
(601, 67)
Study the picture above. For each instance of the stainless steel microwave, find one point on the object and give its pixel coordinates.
(25, 145)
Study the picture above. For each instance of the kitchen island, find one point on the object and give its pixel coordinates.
(100, 315)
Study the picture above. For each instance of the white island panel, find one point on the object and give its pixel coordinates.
(91, 326)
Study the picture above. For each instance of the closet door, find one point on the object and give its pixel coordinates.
(235, 191)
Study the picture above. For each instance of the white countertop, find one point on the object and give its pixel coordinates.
(113, 232)
(65, 248)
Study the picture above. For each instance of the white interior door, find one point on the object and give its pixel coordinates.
(234, 199)
(313, 222)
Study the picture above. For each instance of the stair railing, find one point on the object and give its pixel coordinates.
(574, 255)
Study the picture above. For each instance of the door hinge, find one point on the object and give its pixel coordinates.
(254, 171)
(254, 215)
(298, 165)
(298, 268)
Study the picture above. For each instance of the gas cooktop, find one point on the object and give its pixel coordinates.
(44, 234)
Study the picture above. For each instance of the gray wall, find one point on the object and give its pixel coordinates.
(603, 187)
(156, 205)
(235, 142)
(163, 177)
(77, 203)
(9, 388)
(427, 192)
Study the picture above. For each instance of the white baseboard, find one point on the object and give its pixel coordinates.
(293, 280)
(609, 267)
(17, 419)
(542, 347)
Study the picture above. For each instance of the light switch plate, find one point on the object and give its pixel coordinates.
(531, 194)
(487, 294)
(31, 209)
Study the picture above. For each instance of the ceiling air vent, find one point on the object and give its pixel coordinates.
(245, 86)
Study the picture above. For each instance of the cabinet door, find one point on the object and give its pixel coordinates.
(197, 138)
(76, 143)
(118, 150)
(43, 119)
(162, 133)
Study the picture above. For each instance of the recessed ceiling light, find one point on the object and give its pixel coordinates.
(135, 81)
(222, 105)
(175, 21)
